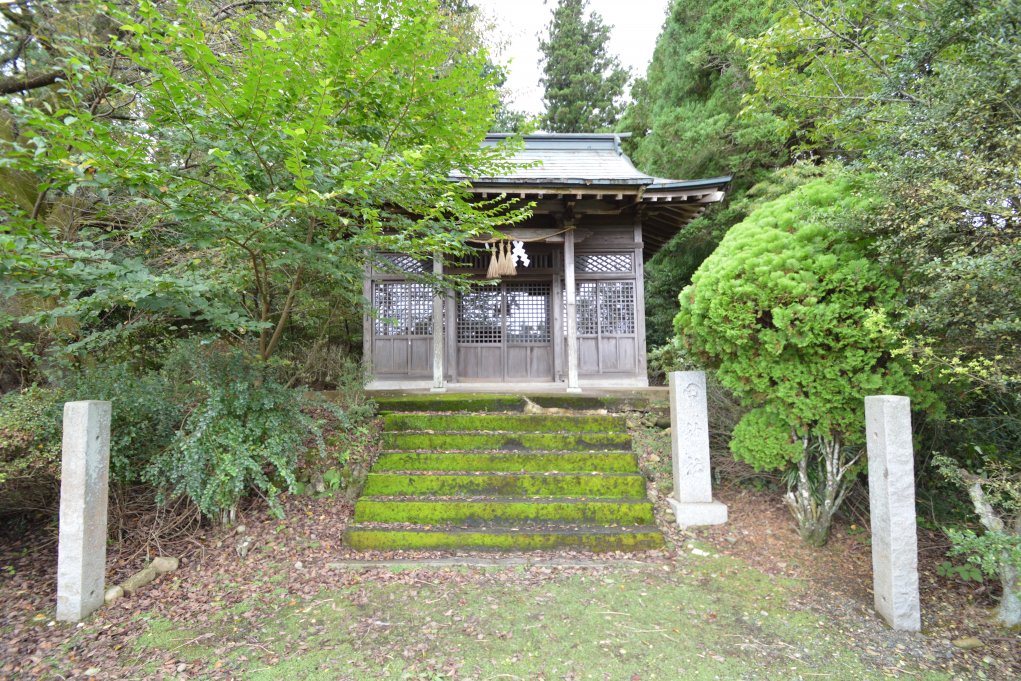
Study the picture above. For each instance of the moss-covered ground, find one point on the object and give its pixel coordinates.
(711, 618)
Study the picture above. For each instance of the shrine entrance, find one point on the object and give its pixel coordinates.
(504, 332)
(564, 306)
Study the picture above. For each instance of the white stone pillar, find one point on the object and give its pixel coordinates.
(692, 498)
(84, 481)
(570, 299)
(892, 511)
(439, 347)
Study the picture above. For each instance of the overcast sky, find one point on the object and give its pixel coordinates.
(635, 24)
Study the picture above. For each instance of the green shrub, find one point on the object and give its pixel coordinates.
(244, 432)
(30, 434)
(144, 419)
(790, 314)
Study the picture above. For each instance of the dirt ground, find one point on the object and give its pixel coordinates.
(288, 565)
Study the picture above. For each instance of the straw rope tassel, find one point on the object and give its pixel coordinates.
(501, 261)
(492, 273)
(509, 269)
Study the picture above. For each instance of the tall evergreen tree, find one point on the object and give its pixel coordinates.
(686, 124)
(584, 83)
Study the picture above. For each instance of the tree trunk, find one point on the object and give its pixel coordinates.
(1009, 613)
(814, 502)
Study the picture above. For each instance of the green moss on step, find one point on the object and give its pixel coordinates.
(590, 402)
(584, 462)
(446, 442)
(534, 423)
(482, 511)
(365, 539)
(451, 402)
(614, 485)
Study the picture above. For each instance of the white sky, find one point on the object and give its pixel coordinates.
(635, 24)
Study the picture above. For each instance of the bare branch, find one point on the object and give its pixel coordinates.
(224, 11)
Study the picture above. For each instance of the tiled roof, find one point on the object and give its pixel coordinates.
(586, 159)
(594, 166)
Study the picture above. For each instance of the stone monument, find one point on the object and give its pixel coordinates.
(692, 498)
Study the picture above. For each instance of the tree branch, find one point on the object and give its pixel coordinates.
(24, 82)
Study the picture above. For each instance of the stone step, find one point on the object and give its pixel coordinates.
(488, 510)
(494, 402)
(565, 462)
(514, 442)
(411, 483)
(520, 423)
(367, 537)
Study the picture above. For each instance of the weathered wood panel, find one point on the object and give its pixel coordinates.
(420, 356)
(383, 357)
(480, 362)
(588, 355)
(402, 355)
(533, 362)
(608, 238)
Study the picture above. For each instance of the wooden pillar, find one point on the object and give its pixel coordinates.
(642, 372)
(368, 326)
(439, 347)
(570, 295)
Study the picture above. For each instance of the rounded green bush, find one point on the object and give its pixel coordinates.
(790, 313)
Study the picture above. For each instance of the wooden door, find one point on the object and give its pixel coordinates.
(504, 333)
(402, 329)
(607, 330)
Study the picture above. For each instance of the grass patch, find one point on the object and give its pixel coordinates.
(719, 620)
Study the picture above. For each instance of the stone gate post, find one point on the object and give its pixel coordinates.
(84, 481)
(892, 510)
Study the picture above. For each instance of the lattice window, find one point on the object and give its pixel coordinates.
(480, 316)
(399, 262)
(616, 307)
(604, 263)
(587, 308)
(528, 308)
(402, 309)
(604, 308)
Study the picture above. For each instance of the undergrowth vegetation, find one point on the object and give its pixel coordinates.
(212, 425)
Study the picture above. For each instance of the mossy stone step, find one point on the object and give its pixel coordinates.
(527, 423)
(493, 402)
(503, 480)
(490, 510)
(607, 485)
(566, 462)
(514, 442)
(450, 402)
(595, 539)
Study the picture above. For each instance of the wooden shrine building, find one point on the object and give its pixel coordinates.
(573, 314)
